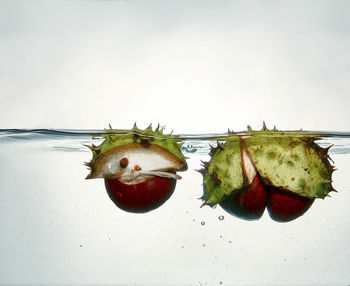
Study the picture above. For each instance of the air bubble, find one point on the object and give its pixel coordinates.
(190, 149)
(202, 222)
(221, 217)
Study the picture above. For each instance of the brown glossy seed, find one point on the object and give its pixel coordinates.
(124, 162)
(137, 168)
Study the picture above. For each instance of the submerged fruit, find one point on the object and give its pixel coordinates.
(140, 197)
(248, 204)
(284, 206)
(284, 171)
(139, 167)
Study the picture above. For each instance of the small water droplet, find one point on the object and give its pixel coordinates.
(190, 149)
(220, 282)
(81, 245)
(203, 244)
(202, 222)
(221, 217)
(230, 241)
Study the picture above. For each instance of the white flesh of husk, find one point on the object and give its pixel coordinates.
(143, 163)
(247, 163)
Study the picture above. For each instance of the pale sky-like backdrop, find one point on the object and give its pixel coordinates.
(192, 66)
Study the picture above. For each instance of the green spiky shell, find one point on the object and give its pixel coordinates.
(289, 160)
(291, 163)
(115, 138)
(224, 172)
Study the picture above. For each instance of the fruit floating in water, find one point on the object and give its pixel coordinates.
(281, 171)
(286, 206)
(139, 167)
(248, 203)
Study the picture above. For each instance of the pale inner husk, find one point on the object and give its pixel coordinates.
(143, 162)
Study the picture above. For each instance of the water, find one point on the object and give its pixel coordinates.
(58, 228)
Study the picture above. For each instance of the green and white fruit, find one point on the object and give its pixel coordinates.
(149, 153)
(289, 161)
(139, 167)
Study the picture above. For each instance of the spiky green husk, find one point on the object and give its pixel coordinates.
(224, 173)
(292, 163)
(289, 160)
(115, 138)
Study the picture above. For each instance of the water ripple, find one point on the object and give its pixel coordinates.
(72, 140)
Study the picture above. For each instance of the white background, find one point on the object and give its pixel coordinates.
(192, 66)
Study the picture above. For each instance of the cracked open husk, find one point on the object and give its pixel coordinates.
(134, 155)
(288, 160)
